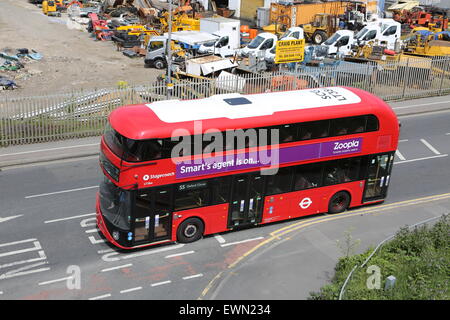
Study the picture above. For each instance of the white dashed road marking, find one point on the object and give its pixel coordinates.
(118, 267)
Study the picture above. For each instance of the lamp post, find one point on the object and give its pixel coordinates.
(169, 52)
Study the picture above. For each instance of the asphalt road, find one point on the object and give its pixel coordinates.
(48, 235)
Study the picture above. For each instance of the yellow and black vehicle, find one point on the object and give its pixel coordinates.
(322, 27)
(50, 8)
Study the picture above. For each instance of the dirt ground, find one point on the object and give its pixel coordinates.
(72, 60)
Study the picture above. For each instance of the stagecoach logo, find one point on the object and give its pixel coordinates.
(305, 203)
(147, 177)
(157, 176)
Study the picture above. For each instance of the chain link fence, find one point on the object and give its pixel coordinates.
(81, 114)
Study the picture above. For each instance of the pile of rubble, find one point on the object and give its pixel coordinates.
(12, 66)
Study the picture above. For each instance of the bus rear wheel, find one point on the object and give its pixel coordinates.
(190, 230)
(339, 202)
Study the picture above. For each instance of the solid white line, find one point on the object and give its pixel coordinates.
(16, 273)
(59, 192)
(37, 246)
(219, 238)
(420, 105)
(160, 283)
(194, 276)
(399, 155)
(101, 297)
(16, 242)
(243, 241)
(179, 254)
(53, 281)
(448, 134)
(70, 218)
(118, 267)
(41, 254)
(9, 218)
(403, 140)
(429, 146)
(51, 149)
(130, 290)
(419, 159)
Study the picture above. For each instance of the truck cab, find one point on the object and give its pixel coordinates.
(383, 31)
(156, 52)
(293, 33)
(340, 42)
(221, 46)
(262, 42)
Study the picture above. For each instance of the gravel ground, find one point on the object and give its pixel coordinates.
(72, 60)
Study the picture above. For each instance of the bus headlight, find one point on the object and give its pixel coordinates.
(116, 235)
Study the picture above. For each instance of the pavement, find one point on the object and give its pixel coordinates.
(14, 156)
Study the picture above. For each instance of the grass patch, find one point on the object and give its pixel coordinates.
(418, 258)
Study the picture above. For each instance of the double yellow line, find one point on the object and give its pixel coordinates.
(277, 234)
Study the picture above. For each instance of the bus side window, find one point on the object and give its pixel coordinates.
(187, 197)
(162, 199)
(280, 182)
(152, 149)
(357, 125)
(333, 173)
(314, 130)
(339, 126)
(220, 190)
(372, 123)
(351, 168)
(210, 145)
(169, 145)
(287, 133)
(308, 176)
(143, 150)
(342, 171)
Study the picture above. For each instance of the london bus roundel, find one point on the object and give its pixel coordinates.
(305, 203)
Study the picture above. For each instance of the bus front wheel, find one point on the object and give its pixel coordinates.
(190, 230)
(339, 202)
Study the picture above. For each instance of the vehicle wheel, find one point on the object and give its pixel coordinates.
(190, 230)
(339, 202)
(319, 37)
(159, 64)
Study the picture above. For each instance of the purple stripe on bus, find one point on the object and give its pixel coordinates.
(251, 160)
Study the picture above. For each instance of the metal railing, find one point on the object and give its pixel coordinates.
(80, 114)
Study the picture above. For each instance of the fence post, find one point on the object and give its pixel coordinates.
(405, 78)
(444, 71)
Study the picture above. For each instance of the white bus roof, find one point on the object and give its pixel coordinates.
(235, 105)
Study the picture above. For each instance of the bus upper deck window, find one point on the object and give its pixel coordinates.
(372, 123)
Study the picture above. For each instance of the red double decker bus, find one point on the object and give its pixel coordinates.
(331, 149)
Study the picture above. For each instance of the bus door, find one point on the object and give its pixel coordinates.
(246, 200)
(378, 175)
(153, 215)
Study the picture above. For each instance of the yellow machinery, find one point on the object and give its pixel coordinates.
(137, 30)
(427, 46)
(322, 27)
(180, 22)
(49, 8)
